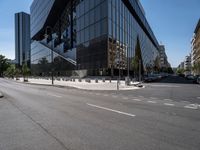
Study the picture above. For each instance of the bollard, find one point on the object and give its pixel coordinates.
(96, 80)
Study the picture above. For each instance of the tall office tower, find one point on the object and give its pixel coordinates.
(22, 38)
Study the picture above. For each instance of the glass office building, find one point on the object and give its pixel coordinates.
(97, 37)
(22, 39)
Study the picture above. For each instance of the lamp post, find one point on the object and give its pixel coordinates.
(47, 34)
(140, 68)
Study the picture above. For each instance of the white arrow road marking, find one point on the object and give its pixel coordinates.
(112, 110)
(192, 106)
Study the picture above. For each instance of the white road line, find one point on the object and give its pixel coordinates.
(125, 98)
(153, 102)
(153, 98)
(168, 104)
(191, 106)
(168, 100)
(138, 100)
(198, 97)
(112, 110)
(58, 96)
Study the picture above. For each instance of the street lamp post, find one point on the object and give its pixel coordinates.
(140, 70)
(49, 31)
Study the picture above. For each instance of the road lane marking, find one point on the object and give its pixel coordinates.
(112, 110)
(191, 106)
(153, 98)
(138, 100)
(169, 86)
(58, 96)
(198, 97)
(105, 95)
(153, 102)
(168, 100)
(125, 98)
(97, 94)
(168, 104)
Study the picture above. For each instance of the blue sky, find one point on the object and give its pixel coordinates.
(7, 10)
(173, 22)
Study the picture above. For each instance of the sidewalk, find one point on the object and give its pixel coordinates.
(85, 85)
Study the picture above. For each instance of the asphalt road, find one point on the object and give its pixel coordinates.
(162, 116)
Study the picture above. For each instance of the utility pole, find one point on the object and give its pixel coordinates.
(140, 70)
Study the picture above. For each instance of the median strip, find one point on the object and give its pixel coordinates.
(112, 110)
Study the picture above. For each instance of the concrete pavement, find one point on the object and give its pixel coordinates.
(43, 117)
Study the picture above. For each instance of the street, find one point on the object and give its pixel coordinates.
(163, 116)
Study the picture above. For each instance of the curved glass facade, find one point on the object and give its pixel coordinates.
(40, 10)
(93, 35)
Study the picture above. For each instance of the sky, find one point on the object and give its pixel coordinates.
(7, 37)
(172, 21)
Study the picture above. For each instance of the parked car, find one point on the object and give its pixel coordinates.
(181, 75)
(190, 77)
(198, 80)
(151, 78)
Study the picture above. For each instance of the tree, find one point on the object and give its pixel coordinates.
(10, 72)
(196, 68)
(25, 72)
(3, 65)
(180, 71)
(17, 73)
(135, 65)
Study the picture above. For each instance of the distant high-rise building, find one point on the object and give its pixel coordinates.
(187, 65)
(22, 38)
(163, 57)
